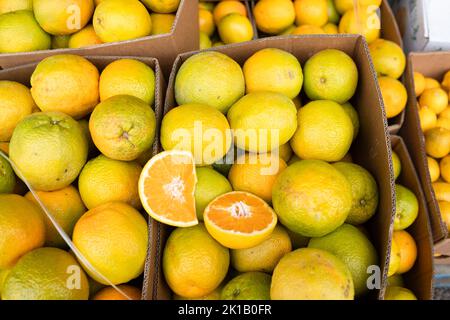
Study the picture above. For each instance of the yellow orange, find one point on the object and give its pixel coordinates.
(419, 83)
(162, 6)
(86, 37)
(364, 21)
(445, 168)
(162, 23)
(311, 12)
(235, 28)
(408, 250)
(110, 293)
(274, 16)
(206, 22)
(227, 7)
(428, 118)
(436, 99)
(330, 28)
(444, 207)
(446, 81)
(431, 83)
(442, 191)
(433, 167)
(307, 29)
(394, 95)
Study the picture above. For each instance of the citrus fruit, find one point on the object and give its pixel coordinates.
(84, 124)
(262, 121)
(248, 286)
(333, 14)
(225, 8)
(256, 173)
(210, 184)
(120, 20)
(167, 187)
(46, 274)
(437, 142)
(285, 152)
(443, 122)
(239, 220)
(162, 6)
(16, 103)
(123, 127)
(297, 240)
(15, 5)
(215, 295)
(445, 168)
(273, 70)
(408, 250)
(110, 293)
(206, 22)
(66, 83)
(394, 258)
(446, 81)
(274, 16)
(66, 207)
(311, 12)
(287, 31)
(63, 17)
(394, 96)
(21, 226)
(364, 192)
(431, 83)
(128, 77)
(307, 29)
(395, 281)
(398, 293)
(353, 114)
(330, 28)
(210, 78)
(7, 177)
(314, 139)
(49, 149)
(205, 41)
(396, 164)
(113, 237)
(86, 37)
(442, 191)
(162, 23)
(388, 58)
(60, 42)
(311, 274)
(235, 28)
(444, 208)
(419, 83)
(194, 264)
(445, 113)
(330, 75)
(428, 118)
(264, 256)
(433, 167)
(326, 198)
(364, 21)
(202, 130)
(343, 6)
(20, 32)
(436, 99)
(406, 209)
(354, 249)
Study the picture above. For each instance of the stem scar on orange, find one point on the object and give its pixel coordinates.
(239, 220)
(167, 186)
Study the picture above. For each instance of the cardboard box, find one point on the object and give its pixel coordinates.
(371, 149)
(165, 47)
(431, 65)
(420, 278)
(23, 73)
(424, 24)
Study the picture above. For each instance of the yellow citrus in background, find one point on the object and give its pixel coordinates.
(396, 163)
(274, 70)
(66, 207)
(436, 99)
(333, 14)
(394, 95)
(365, 21)
(120, 20)
(395, 258)
(433, 167)
(311, 12)
(419, 83)
(110, 293)
(431, 83)
(442, 191)
(21, 226)
(205, 41)
(274, 16)
(129, 77)
(446, 81)
(86, 37)
(113, 237)
(311, 274)
(353, 114)
(206, 22)
(104, 180)
(65, 83)
(443, 122)
(445, 113)
(345, 5)
(407, 208)
(224, 8)
(15, 5)
(44, 274)
(444, 208)
(330, 28)
(194, 264)
(445, 168)
(428, 118)
(57, 17)
(162, 23)
(437, 142)
(307, 29)
(408, 250)
(60, 42)
(16, 104)
(235, 28)
(206, 5)
(287, 31)
(162, 6)
(388, 58)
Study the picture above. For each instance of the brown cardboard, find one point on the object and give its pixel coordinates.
(420, 278)
(371, 148)
(23, 73)
(433, 64)
(184, 37)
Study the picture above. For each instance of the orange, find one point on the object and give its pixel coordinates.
(431, 83)
(394, 95)
(256, 173)
(205, 41)
(235, 28)
(239, 220)
(4, 146)
(274, 16)
(167, 186)
(227, 7)
(445, 168)
(86, 37)
(66, 207)
(442, 191)
(433, 167)
(443, 122)
(408, 250)
(343, 6)
(307, 29)
(428, 119)
(110, 293)
(446, 81)
(311, 12)
(444, 207)
(162, 23)
(436, 99)
(162, 6)
(206, 22)
(445, 113)
(388, 58)
(419, 83)
(330, 28)
(365, 21)
(15, 5)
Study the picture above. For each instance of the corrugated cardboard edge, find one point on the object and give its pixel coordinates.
(380, 148)
(22, 74)
(420, 278)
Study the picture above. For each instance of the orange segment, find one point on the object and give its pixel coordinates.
(239, 220)
(166, 188)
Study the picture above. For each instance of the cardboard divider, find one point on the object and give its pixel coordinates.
(165, 47)
(420, 278)
(433, 64)
(23, 73)
(371, 149)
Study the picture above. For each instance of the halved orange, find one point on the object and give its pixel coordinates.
(167, 186)
(239, 220)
